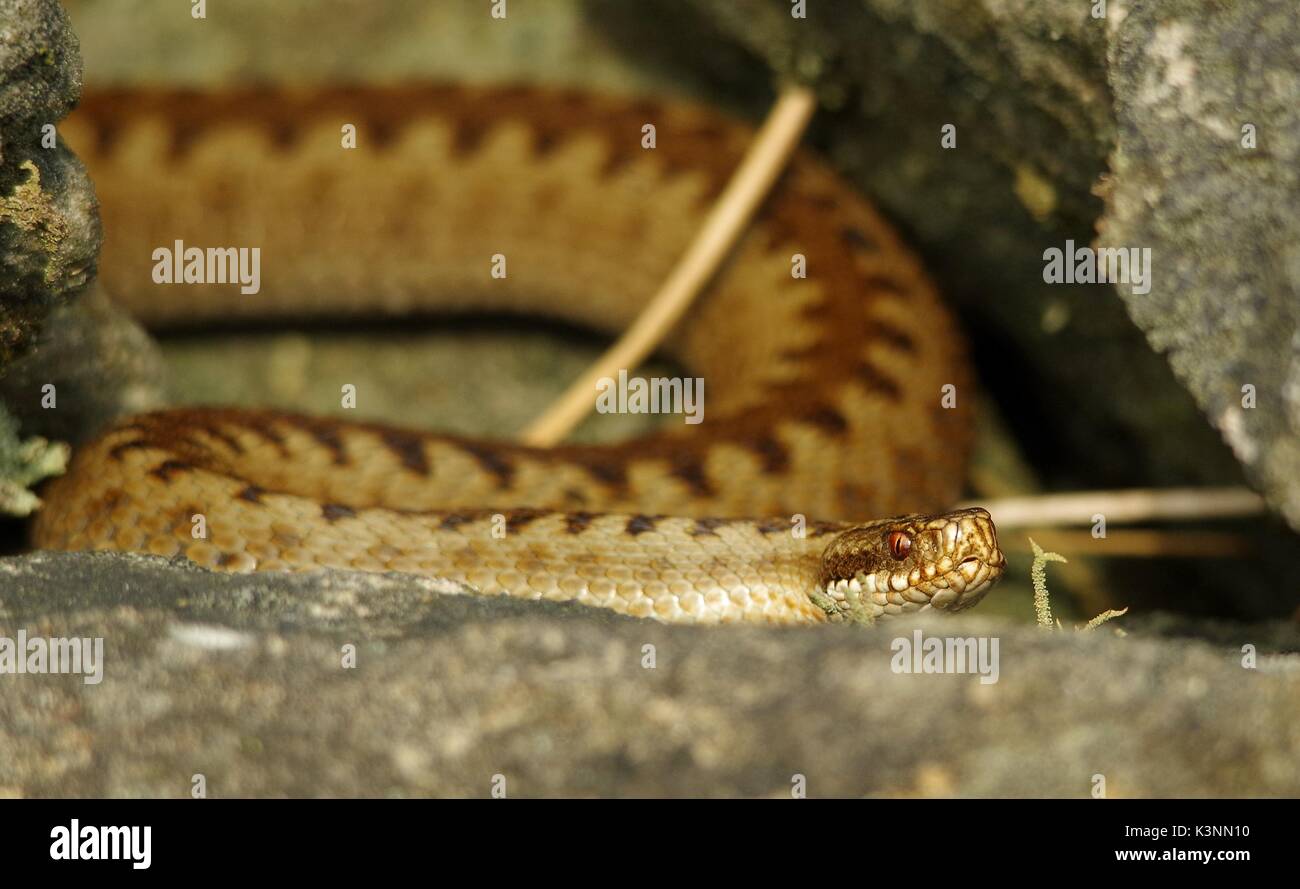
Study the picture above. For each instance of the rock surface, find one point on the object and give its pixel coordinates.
(240, 679)
(1207, 174)
(49, 223)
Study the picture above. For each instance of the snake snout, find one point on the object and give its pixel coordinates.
(979, 560)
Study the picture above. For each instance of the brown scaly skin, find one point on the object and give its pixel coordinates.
(823, 395)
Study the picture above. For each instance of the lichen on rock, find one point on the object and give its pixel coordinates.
(23, 462)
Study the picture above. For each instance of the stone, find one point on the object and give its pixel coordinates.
(1206, 173)
(49, 222)
(241, 679)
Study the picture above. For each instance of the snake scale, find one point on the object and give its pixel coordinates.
(825, 392)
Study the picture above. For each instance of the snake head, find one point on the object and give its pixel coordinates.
(910, 563)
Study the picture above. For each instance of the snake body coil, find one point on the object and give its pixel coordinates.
(826, 393)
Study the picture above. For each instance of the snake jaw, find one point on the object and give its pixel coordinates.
(949, 562)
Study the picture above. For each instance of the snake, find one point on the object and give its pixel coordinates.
(819, 487)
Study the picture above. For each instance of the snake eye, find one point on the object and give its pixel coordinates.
(899, 544)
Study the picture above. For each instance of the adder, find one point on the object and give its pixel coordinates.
(832, 398)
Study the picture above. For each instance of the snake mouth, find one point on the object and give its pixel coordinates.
(972, 577)
(941, 586)
(970, 566)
